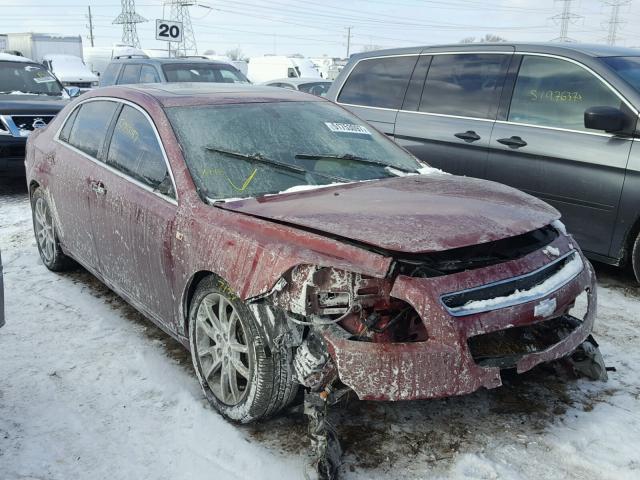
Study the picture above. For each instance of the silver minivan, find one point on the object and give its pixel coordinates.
(556, 121)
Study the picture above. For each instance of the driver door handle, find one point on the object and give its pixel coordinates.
(513, 142)
(468, 136)
(98, 187)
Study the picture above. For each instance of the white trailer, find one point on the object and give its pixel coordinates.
(3, 42)
(36, 45)
(270, 67)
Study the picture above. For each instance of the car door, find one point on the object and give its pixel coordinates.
(543, 148)
(447, 117)
(135, 214)
(73, 167)
(376, 87)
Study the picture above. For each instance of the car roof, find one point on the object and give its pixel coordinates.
(297, 80)
(190, 94)
(567, 49)
(165, 61)
(7, 57)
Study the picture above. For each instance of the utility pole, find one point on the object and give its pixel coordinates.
(614, 20)
(90, 26)
(348, 40)
(180, 13)
(128, 18)
(565, 18)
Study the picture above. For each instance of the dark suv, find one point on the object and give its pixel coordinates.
(138, 69)
(30, 96)
(557, 121)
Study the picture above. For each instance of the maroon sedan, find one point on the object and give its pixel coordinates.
(287, 243)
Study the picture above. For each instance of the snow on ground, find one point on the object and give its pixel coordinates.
(91, 389)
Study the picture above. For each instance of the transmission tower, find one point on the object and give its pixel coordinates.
(128, 18)
(565, 18)
(180, 13)
(614, 22)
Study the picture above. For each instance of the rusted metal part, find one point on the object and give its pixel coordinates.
(443, 365)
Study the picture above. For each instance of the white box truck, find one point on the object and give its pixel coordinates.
(36, 45)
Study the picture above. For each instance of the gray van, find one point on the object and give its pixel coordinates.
(556, 121)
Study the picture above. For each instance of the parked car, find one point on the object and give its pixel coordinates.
(71, 71)
(1, 294)
(312, 85)
(556, 121)
(138, 69)
(287, 243)
(30, 97)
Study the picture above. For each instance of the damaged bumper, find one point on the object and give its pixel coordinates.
(466, 348)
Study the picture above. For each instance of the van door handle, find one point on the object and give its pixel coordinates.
(98, 187)
(468, 136)
(513, 142)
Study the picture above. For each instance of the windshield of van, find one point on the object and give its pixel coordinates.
(627, 67)
(203, 72)
(20, 78)
(253, 149)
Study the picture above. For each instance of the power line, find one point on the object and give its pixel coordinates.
(614, 19)
(128, 18)
(180, 13)
(565, 18)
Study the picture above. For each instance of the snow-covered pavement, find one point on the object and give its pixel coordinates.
(89, 389)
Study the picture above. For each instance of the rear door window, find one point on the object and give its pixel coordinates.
(130, 74)
(68, 125)
(379, 82)
(555, 93)
(135, 150)
(90, 126)
(467, 85)
(148, 74)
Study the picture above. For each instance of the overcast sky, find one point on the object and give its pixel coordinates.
(318, 27)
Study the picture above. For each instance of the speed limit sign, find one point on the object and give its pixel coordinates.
(168, 31)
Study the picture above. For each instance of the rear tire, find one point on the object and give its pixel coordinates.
(243, 375)
(46, 234)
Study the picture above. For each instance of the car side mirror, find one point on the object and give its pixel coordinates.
(73, 91)
(609, 119)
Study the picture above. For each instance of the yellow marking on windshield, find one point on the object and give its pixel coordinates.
(246, 182)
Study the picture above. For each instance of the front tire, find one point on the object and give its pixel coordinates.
(242, 375)
(635, 258)
(46, 235)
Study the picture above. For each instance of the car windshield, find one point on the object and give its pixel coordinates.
(627, 67)
(253, 149)
(203, 72)
(317, 88)
(27, 78)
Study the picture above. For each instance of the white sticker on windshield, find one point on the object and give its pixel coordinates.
(44, 79)
(347, 128)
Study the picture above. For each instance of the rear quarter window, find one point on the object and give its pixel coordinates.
(379, 82)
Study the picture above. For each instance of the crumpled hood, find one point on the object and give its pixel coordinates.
(413, 214)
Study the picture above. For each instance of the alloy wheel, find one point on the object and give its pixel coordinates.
(44, 230)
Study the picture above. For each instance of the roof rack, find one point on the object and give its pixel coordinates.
(118, 57)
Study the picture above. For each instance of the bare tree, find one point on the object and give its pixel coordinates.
(488, 38)
(235, 54)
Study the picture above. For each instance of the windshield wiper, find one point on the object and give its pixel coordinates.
(259, 158)
(348, 156)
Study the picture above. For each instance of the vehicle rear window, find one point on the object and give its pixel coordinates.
(627, 67)
(468, 85)
(90, 126)
(130, 74)
(555, 93)
(134, 148)
(203, 72)
(379, 82)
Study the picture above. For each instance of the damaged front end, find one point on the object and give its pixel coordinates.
(441, 324)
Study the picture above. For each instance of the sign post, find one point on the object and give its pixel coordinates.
(169, 31)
